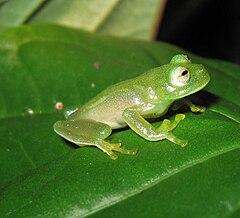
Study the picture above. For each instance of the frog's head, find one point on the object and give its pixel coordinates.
(184, 78)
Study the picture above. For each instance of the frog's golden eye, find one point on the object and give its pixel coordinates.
(181, 76)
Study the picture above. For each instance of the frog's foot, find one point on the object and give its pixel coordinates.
(195, 108)
(109, 148)
(167, 127)
(184, 101)
(90, 133)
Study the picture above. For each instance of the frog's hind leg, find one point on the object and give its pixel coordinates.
(91, 133)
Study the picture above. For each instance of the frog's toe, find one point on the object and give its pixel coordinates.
(173, 124)
(201, 109)
(174, 139)
(196, 108)
(130, 152)
(133, 151)
(179, 117)
(117, 147)
(109, 148)
(112, 155)
(183, 142)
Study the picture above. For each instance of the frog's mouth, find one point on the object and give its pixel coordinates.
(200, 87)
(191, 89)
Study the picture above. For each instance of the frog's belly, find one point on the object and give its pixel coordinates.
(113, 119)
(110, 111)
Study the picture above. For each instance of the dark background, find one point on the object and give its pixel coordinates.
(210, 28)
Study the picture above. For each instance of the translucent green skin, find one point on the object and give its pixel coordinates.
(129, 103)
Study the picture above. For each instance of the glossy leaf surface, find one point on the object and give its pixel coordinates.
(43, 175)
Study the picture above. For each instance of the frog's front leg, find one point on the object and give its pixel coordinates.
(92, 133)
(184, 101)
(143, 128)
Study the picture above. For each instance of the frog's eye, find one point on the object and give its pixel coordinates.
(180, 76)
(187, 58)
(180, 59)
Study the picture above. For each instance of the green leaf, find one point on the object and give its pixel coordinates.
(26, 144)
(24, 56)
(85, 180)
(86, 14)
(16, 12)
(188, 193)
(132, 18)
(2, 1)
(43, 175)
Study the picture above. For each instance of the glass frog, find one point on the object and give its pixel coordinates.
(132, 102)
